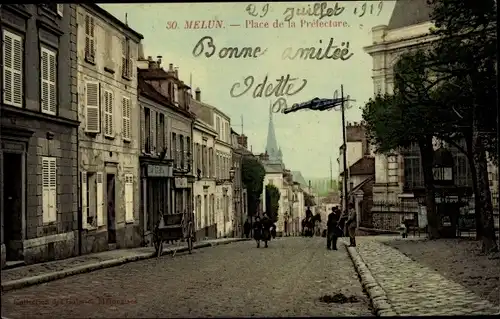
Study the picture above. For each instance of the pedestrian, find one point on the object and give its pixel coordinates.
(333, 229)
(257, 230)
(273, 230)
(351, 225)
(267, 224)
(246, 228)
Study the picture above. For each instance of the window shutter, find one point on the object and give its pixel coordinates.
(48, 68)
(143, 133)
(130, 66)
(129, 198)
(60, 9)
(100, 199)
(89, 37)
(152, 133)
(49, 189)
(124, 57)
(92, 107)
(126, 110)
(178, 151)
(13, 69)
(85, 206)
(108, 113)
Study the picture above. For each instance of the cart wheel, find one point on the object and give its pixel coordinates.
(158, 247)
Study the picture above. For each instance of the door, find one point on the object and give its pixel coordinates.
(13, 207)
(111, 212)
(206, 212)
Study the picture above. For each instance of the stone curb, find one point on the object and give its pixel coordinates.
(378, 298)
(36, 280)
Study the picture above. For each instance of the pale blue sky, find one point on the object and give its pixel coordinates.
(308, 139)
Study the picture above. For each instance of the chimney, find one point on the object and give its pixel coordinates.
(197, 94)
(243, 141)
(158, 62)
(141, 52)
(170, 67)
(176, 70)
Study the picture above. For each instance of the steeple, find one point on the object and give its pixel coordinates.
(272, 145)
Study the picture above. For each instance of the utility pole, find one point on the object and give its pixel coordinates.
(344, 149)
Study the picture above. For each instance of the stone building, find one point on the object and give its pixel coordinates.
(108, 139)
(221, 123)
(38, 137)
(399, 182)
(239, 144)
(204, 136)
(166, 125)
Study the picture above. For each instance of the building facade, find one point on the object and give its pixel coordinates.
(239, 144)
(224, 173)
(204, 187)
(108, 140)
(38, 137)
(166, 142)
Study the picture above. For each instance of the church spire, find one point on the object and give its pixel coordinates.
(272, 145)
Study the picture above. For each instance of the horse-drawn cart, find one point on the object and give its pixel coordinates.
(174, 227)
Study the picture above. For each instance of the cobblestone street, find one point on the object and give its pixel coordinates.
(414, 289)
(286, 279)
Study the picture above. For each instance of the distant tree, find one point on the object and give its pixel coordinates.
(253, 178)
(272, 202)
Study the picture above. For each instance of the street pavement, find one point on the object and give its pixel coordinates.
(413, 289)
(286, 279)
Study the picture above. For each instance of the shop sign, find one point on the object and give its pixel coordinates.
(159, 171)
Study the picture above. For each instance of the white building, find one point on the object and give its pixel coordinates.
(204, 187)
(108, 142)
(398, 176)
(222, 162)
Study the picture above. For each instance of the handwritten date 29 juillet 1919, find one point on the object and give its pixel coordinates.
(318, 9)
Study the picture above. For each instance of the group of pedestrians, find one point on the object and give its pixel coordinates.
(263, 230)
(335, 227)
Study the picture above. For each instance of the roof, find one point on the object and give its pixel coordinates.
(147, 90)
(112, 18)
(363, 166)
(358, 187)
(409, 12)
(297, 177)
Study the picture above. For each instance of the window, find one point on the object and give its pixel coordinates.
(89, 39)
(92, 199)
(92, 107)
(108, 113)
(12, 69)
(161, 131)
(176, 95)
(212, 209)
(413, 168)
(173, 148)
(49, 189)
(48, 71)
(180, 148)
(129, 198)
(127, 63)
(210, 162)
(198, 211)
(204, 161)
(147, 129)
(218, 126)
(126, 110)
(188, 153)
(152, 132)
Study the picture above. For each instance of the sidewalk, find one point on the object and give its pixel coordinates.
(21, 277)
(397, 285)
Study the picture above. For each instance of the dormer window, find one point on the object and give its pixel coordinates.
(176, 95)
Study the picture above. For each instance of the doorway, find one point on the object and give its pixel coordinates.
(110, 184)
(206, 212)
(13, 205)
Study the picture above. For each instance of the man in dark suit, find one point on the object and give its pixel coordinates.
(333, 229)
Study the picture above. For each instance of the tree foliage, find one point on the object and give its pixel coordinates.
(253, 178)
(272, 202)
